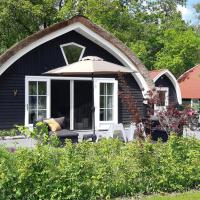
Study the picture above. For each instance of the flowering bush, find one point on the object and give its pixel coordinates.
(172, 119)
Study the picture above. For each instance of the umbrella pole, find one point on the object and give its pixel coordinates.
(93, 107)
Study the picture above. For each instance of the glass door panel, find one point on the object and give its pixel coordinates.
(60, 100)
(83, 100)
(106, 102)
(37, 100)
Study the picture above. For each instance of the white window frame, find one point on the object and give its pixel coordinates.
(103, 125)
(75, 44)
(48, 94)
(166, 90)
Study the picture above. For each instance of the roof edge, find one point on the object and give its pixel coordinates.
(86, 22)
(174, 82)
(189, 70)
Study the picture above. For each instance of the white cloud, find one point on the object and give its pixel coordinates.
(187, 13)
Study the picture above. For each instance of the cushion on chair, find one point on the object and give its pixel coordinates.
(53, 124)
(61, 121)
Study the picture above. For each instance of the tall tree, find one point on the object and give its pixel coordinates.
(143, 26)
(152, 29)
(20, 18)
(197, 9)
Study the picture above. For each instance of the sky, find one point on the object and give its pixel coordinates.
(188, 12)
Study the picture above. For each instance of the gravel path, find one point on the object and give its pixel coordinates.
(25, 142)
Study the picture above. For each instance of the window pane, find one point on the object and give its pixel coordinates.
(109, 115)
(109, 88)
(109, 101)
(42, 114)
(41, 88)
(102, 114)
(33, 88)
(102, 88)
(41, 102)
(32, 102)
(72, 53)
(102, 101)
(32, 116)
(195, 104)
(161, 96)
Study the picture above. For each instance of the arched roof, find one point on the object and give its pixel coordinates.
(95, 33)
(190, 83)
(156, 74)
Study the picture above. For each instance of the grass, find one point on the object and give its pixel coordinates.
(192, 195)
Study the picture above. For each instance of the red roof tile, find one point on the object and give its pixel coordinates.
(190, 83)
(154, 73)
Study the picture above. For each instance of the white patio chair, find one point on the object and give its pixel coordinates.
(130, 132)
(106, 134)
(112, 132)
(119, 132)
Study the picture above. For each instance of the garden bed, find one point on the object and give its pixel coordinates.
(16, 137)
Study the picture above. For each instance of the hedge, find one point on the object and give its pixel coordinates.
(102, 170)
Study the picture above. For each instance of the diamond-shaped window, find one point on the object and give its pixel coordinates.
(72, 52)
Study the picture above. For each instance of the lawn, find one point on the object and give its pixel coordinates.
(192, 195)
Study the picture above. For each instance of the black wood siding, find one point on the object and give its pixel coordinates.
(164, 81)
(41, 59)
(124, 115)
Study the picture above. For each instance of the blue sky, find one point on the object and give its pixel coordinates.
(188, 12)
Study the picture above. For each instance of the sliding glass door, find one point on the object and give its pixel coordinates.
(47, 97)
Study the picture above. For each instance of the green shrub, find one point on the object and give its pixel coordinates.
(41, 133)
(102, 170)
(10, 132)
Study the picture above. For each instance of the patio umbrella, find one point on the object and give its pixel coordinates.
(90, 65)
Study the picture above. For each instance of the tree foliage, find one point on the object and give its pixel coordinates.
(144, 26)
(20, 18)
(197, 9)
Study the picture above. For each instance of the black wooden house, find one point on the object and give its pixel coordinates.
(27, 94)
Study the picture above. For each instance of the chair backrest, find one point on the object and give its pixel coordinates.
(110, 131)
(131, 132)
(120, 128)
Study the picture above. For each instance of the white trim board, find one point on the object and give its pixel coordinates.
(60, 78)
(86, 32)
(174, 82)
